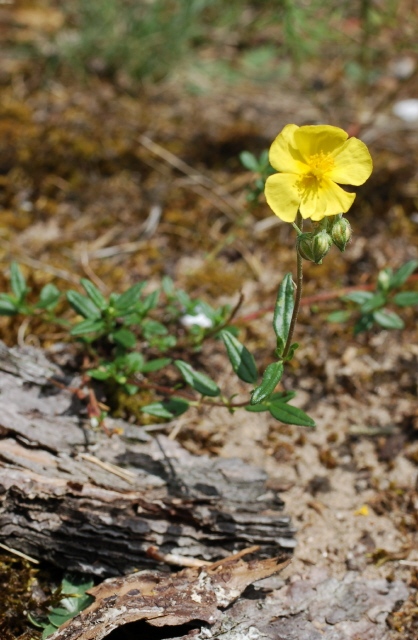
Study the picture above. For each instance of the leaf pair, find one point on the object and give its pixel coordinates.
(278, 407)
(14, 303)
(372, 304)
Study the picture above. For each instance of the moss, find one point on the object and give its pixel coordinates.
(18, 585)
(127, 407)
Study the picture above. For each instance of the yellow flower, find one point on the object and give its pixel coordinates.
(311, 160)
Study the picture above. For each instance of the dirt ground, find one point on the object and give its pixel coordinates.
(83, 166)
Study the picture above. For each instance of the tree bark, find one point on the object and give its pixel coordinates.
(93, 503)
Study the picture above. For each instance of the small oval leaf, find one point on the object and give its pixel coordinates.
(249, 161)
(87, 326)
(359, 297)
(256, 408)
(17, 281)
(155, 365)
(48, 297)
(7, 306)
(93, 293)
(129, 297)
(290, 415)
(83, 305)
(271, 377)
(388, 319)
(375, 302)
(283, 310)
(198, 381)
(402, 274)
(124, 338)
(167, 409)
(339, 316)
(241, 359)
(406, 298)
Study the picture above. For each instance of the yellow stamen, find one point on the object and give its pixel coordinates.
(320, 163)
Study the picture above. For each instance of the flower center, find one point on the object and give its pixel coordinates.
(320, 163)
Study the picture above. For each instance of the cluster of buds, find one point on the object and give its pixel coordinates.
(315, 245)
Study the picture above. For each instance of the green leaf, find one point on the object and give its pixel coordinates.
(406, 298)
(57, 618)
(36, 621)
(150, 302)
(48, 631)
(130, 297)
(132, 362)
(283, 311)
(282, 396)
(130, 389)
(290, 415)
(271, 377)
(167, 285)
(291, 351)
(359, 297)
(388, 319)
(375, 302)
(76, 583)
(168, 409)
(157, 409)
(363, 324)
(87, 326)
(155, 365)
(94, 294)
(99, 374)
(83, 305)
(18, 282)
(241, 359)
(162, 343)
(48, 296)
(256, 408)
(339, 316)
(124, 338)
(401, 275)
(198, 381)
(151, 328)
(7, 305)
(249, 161)
(279, 396)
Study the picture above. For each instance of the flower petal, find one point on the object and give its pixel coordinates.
(332, 200)
(313, 139)
(284, 155)
(353, 163)
(309, 189)
(283, 195)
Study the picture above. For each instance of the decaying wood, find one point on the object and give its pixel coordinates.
(315, 607)
(88, 502)
(166, 600)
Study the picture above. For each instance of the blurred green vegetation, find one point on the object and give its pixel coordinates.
(148, 39)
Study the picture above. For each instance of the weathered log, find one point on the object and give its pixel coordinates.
(194, 604)
(88, 502)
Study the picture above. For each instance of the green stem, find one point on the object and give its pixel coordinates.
(298, 297)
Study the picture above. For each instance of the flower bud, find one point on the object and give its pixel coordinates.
(304, 246)
(384, 279)
(314, 246)
(322, 243)
(341, 233)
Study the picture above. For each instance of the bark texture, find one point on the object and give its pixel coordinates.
(96, 504)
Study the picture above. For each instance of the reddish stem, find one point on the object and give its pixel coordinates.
(318, 297)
